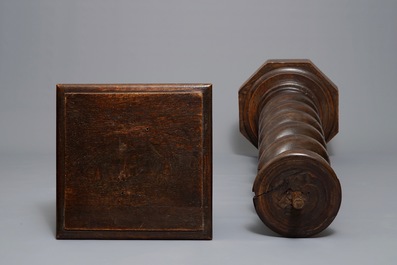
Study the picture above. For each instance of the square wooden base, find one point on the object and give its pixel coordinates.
(134, 161)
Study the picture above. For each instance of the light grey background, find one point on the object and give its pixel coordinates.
(354, 43)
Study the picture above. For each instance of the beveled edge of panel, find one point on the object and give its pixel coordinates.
(123, 88)
(205, 89)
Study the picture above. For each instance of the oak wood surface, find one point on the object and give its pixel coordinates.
(289, 110)
(134, 161)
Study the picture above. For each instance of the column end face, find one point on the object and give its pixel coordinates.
(297, 194)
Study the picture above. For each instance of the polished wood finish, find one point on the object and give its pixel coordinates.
(134, 161)
(289, 110)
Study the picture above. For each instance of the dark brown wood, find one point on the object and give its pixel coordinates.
(134, 161)
(289, 110)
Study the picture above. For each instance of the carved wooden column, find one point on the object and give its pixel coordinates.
(289, 110)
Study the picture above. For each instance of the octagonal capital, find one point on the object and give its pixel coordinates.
(300, 75)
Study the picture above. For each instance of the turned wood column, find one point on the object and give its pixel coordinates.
(289, 110)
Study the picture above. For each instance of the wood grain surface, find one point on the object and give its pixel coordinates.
(289, 110)
(134, 161)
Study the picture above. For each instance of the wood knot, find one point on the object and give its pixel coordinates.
(297, 200)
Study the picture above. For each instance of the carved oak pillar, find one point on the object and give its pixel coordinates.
(289, 110)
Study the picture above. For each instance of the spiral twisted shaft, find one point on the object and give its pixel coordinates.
(287, 110)
(289, 122)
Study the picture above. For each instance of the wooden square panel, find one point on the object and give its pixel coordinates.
(134, 161)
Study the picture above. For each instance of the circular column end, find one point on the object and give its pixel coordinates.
(297, 194)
